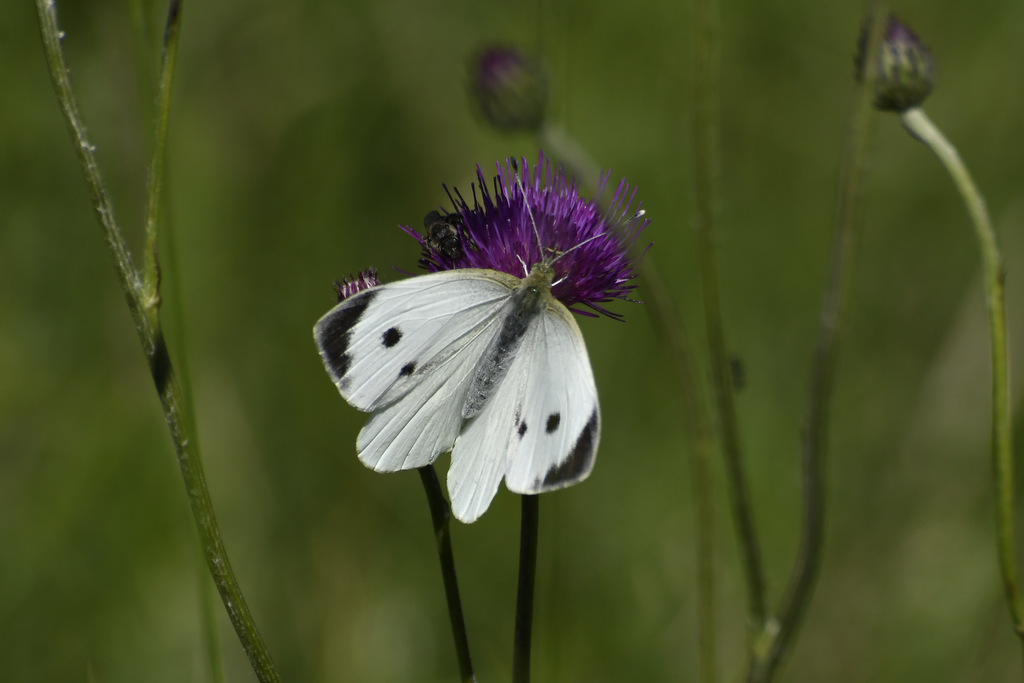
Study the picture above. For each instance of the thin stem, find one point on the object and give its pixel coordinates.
(151, 268)
(700, 442)
(921, 127)
(524, 597)
(696, 420)
(780, 632)
(155, 349)
(704, 39)
(154, 267)
(440, 513)
(561, 146)
(208, 613)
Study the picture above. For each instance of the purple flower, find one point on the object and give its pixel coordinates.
(353, 284)
(497, 233)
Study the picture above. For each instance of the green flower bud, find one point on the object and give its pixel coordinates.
(906, 70)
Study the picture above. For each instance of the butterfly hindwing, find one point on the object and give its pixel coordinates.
(558, 420)
(414, 430)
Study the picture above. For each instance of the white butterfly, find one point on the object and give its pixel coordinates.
(477, 362)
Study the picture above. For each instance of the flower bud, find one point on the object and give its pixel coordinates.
(906, 70)
(510, 88)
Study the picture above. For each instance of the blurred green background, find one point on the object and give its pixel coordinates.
(302, 134)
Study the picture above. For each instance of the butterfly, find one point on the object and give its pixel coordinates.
(478, 362)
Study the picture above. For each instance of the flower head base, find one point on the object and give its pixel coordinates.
(510, 88)
(906, 70)
(588, 246)
(353, 284)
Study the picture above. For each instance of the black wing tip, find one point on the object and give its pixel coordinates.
(580, 461)
(332, 333)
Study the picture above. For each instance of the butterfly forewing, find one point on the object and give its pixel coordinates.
(381, 343)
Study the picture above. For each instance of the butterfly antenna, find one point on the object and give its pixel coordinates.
(574, 248)
(529, 211)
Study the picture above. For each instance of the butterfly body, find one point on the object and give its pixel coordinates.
(474, 361)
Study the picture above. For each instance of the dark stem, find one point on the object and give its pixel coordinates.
(524, 599)
(440, 513)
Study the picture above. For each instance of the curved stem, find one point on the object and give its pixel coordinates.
(921, 127)
(440, 513)
(524, 597)
(155, 349)
(780, 632)
(705, 141)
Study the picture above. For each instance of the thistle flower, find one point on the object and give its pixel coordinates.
(510, 88)
(498, 234)
(906, 69)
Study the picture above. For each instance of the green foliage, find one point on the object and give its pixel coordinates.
(301, 135)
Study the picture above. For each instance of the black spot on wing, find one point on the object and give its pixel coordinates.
(522, 429)
(580, 457)
(391, 336)
(407, 369)
(334, 332)
(553, 420)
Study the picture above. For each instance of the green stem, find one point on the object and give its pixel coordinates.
(155, 349)
(921, 127)
(700, 441)
(779, 633)
(440, 513)
(208, 613)
(704, 39)
(696, 421)
(151, 268)
(558, 144)
(524, 597)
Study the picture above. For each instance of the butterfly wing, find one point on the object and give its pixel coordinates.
(406, 351)
(541, 427)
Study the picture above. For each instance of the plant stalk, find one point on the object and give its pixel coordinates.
(524, 597)
(922, 128)
(440, 514)
(779, 633)
(155, 349)
(704, 39)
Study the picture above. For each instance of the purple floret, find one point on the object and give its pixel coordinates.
(353, 284)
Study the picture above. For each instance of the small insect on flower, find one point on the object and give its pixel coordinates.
(486, 360)
(444, 234)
